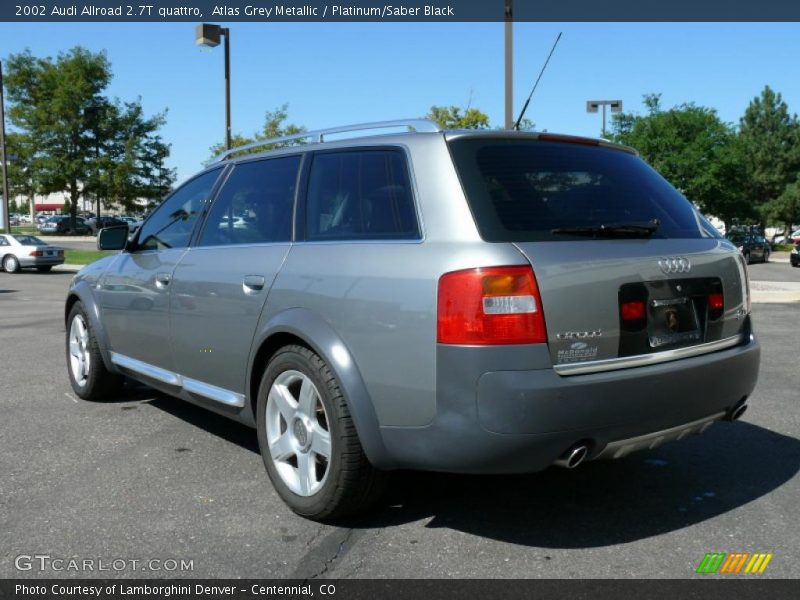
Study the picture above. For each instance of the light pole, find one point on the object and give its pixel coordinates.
(6, 222)
(207, 34)
(509, 62)
(593, 105)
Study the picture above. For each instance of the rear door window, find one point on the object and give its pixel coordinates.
(527, 190)
(360, 195)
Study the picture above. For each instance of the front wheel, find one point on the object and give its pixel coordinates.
(308, 440)
(88, 375)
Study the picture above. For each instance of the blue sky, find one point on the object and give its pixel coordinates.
(334, 74)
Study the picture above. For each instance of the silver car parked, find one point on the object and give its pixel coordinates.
(462, 301)
(21, 251)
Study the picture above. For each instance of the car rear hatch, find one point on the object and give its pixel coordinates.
(628, 272)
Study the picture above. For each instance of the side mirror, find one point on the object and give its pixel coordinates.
(112, 238)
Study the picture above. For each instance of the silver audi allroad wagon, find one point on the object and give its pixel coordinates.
(394, 296)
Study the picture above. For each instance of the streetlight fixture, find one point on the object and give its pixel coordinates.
(207, 34)
(593, 105)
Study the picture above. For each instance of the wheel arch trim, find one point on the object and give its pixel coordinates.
(313, 331)
(82, 292)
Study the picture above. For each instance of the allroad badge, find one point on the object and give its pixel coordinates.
(675, 264)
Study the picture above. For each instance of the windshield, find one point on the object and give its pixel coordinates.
(527, 190)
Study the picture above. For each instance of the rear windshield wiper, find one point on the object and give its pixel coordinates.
(611, 230)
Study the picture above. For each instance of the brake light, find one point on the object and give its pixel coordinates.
(490, 306)
(569, 139)
(632, 311)
(716, 301)
(36, 253)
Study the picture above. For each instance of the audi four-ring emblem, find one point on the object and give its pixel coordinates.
(675, 264)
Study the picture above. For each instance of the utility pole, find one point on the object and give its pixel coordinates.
(6, 218)
(509, 61)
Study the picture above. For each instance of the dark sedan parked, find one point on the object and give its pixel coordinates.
(98, 223)
(59, 224)
(752, 246)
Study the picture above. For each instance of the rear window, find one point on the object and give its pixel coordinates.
(360, 195)
(522, 190)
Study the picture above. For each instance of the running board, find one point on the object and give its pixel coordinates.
(189, 385)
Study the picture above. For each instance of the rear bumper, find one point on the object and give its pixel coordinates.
(516, 420)
(40, 261)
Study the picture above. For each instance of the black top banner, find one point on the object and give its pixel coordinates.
(267, 11)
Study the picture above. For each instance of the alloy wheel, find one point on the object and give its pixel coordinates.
(79, 355)
(298, 434)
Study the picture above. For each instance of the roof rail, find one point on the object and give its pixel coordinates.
(317, 136)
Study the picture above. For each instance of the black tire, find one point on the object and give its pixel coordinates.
(351, 484)
(44, 268)
(99, 383)
(11, 264)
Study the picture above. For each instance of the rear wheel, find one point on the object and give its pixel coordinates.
(44, 269)
(11, 264)
(308, 440)
(88, 375)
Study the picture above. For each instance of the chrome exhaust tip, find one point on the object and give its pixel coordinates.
(572, 457)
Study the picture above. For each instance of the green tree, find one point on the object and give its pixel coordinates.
(130, 164)
(274, 127)
(694, 150)
(78, 141)
(770, 139)
(12, 206)
(21, 171)
(786, 207)
(455, 117)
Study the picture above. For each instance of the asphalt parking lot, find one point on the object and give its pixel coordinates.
(148, 477)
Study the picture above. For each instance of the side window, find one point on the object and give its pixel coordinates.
(360, 195)
(170, 226)
(255, 204)
(3, 241)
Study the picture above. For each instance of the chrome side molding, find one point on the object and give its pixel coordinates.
(641, 360)
(191, 386)
(143, 368)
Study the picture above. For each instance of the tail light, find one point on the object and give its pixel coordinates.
(36, 253)
(716, 305)
(632, 311)
(490, 306)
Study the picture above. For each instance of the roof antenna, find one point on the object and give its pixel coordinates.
(524, 108)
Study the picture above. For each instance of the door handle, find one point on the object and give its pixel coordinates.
(162, 280)
(252, 284)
